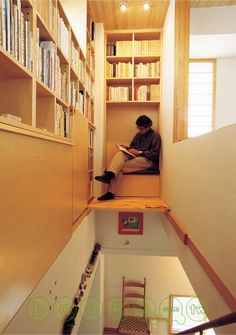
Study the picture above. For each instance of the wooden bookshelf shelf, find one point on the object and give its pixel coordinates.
(24, 129)
(132, 103)
(63, 58)
(10, 67)
(119, 81)
(146, 59)
(117, 59)
(62, 102)
(26, 3)
(45, 34)
(73, 74)
(43, 90)
(144, 81)
(92, 125)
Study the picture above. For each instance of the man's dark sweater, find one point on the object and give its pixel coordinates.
(149, 144)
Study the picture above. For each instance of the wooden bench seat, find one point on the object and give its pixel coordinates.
(139, 184)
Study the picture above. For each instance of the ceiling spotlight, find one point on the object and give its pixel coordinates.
(146, 5)
(123, 6)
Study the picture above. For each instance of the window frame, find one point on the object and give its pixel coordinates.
(214, 62)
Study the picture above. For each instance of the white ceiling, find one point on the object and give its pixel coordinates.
(213, 46)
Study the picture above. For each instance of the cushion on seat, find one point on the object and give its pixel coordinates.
(134, 325)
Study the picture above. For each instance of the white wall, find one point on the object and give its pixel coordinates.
(44, 311)
(164, 276)
(213, 20)
(154, 240)
(225, 92)
(92, 321)
(199, 184)
(76, 13)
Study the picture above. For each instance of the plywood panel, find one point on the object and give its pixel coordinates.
(11, 102)
(80, 165)
(36, 213)
(138, 186)
(108, 12)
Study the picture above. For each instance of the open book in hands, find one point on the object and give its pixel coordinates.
(123, 149)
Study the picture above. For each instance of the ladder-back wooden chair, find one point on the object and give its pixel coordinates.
(133, 297)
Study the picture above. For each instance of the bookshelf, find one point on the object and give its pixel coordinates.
(41, 60)
(47, 83)
(133, 67)
(89, 98)
(132, 82)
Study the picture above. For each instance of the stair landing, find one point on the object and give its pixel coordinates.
(144, 204)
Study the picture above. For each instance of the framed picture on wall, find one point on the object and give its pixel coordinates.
(130, 223)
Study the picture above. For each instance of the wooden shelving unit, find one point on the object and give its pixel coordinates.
(89, 84)
(47, 90)
(44, 85)
(132, 82)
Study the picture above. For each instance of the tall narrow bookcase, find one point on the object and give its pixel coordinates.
(46, 82)
(132, 81)
(90, 65)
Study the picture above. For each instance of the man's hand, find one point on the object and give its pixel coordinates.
(134, 152)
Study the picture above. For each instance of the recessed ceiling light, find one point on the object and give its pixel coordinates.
(123, 6)
(146, 5)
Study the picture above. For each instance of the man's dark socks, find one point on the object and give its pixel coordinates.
(107, 196)
(106, 177)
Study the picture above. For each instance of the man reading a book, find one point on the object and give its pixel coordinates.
(142, 154)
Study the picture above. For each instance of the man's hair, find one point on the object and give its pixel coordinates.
(144, 121)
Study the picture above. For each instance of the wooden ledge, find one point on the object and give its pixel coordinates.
(130, 204)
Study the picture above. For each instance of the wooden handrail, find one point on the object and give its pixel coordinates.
(219, 284)
(219, 322)
(177, 227)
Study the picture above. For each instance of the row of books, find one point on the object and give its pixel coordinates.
(74, 57)
(119, 70)
(148, 70)
(141, 93)
(81, 102)
(74, 94)
(119, 48)
(46, 62)
(15, 31)
(89, 110)
(62, 36)
(119, 93)
(77, 100)
(47, 12)
(125, 70)
(61, 80)
(63, 122)
(140, 48)
(147, 93)
(147, 48)
(81, 70)
(89, 84)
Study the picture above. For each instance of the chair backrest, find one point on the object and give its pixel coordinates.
(137, 295)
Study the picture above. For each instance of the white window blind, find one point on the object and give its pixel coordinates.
(200, 97)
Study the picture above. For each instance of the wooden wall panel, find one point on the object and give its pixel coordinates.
(182, 23)
(80, 165)
(108, 12)
(36, 213)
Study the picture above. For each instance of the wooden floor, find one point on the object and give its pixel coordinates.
(131, 204)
